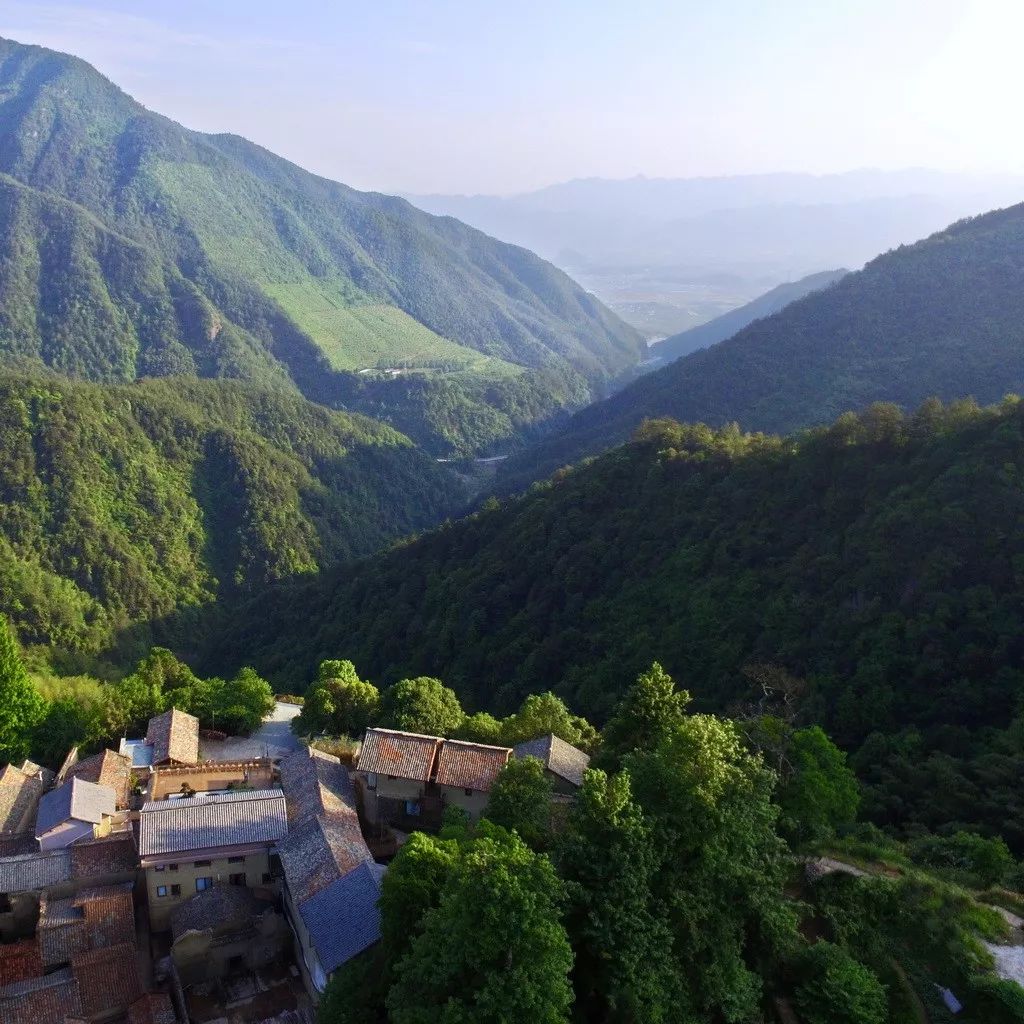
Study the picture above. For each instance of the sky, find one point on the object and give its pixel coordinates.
(481, 96)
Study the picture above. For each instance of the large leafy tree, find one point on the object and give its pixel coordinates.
(423, 705)
(493, 951)
(338, 703)
(721, 863)
(520, 801)
(623, 971)
(819, 791)
(22, 708)
(647, 714)
(542, 714)
(839, 989)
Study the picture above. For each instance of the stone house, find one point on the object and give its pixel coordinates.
(171, 739)
(331, 883)
(77, 810)
(563, 764)
(190, 845)
(21, 789)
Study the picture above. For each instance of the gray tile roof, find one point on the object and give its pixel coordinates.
(200, 823)
(106, 768)
(227, 906)
(47, 1000)
(559, 757)
(406, 755)
(33, 871)
(76, 800)
(19, 795)
(315, 783)
(174, 736)
(343, 919)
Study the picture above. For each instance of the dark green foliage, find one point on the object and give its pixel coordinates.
(623, 970)
(942, 317)
(819, 792)
(985, 862)
(493, 950)
(124, 505)
(520, 800)
(646, 716)
(721, 865)
(839, 990)
(338, 703)
(878, 559)
(130, 246)
(423, 705)
(21, 707)
(543, 714)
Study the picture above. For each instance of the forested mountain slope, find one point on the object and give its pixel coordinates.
(726, 325)
(943, 317)
(130, 245)
(123, 504)
(877, 559)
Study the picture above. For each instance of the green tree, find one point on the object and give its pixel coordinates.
(819, 792)
(244, 702)
(542, 714)
(721, 863)
(423, 705)
(520, 800)
(623, 971)
(989, 861)
(840, 990)
(481, 728)
(22, 708)
(493, 951)
(649, 712)
(338, 703)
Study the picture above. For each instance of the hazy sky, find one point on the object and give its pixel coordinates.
(449, 96)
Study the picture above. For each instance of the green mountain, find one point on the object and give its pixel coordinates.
(942, 317)
(726, 325)
(130, 246)
(878, 560)
(121, 505)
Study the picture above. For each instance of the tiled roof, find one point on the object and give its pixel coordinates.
(19, 795)
(76, 799)
(92, 919)
(108, 978)
(46, 1000)
(228, 906)
(106, 855)
(470, 765)
(175, 737)
(315, 783)
(106, 768)
(407, 755)
(318, 852)
(152, 1008)
(343, 919)
(200, 823)
(32, 871)
(559, 757)
(19, 961)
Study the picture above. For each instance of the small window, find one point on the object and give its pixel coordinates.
(371, 780)
(175, 890)
(5, 903)
(161, 890)
(172, 867)
(236, 860)
(202, 884)
(468, 792)
(159, 867)
(203, 863)
(238, 879)
(412, 808)
(267, 878)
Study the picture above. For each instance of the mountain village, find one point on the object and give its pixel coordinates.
(163, 884)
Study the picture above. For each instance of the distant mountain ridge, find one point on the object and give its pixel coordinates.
(942, 317)
(726, 325)
(130, 245)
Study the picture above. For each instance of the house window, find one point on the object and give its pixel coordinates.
(161, 890)
(202, 884)
(371, 780)
(159, 867)
(175, 890)
(412, 808)
(267, 878)
(203, 863)
(237, 879)
(5, 903)
(172, 867)
(236, 860)
(468, 792)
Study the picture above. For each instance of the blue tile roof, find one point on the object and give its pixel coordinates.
(78, 799)
(343, 919)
